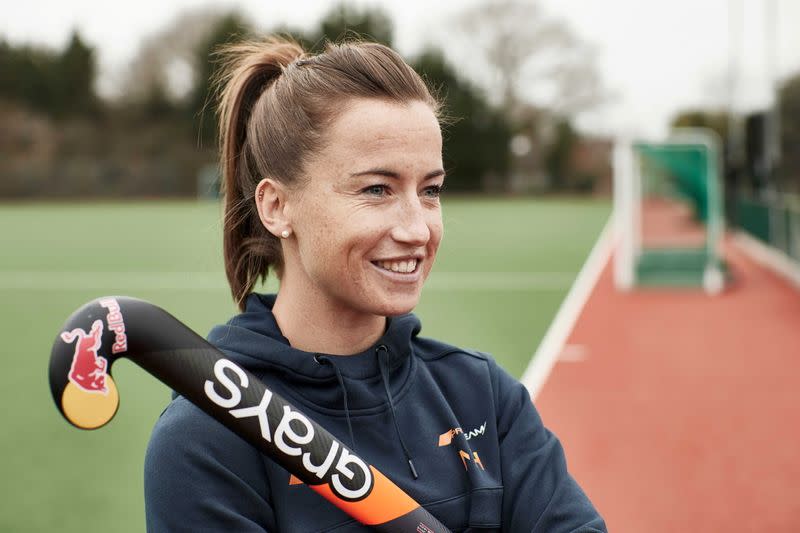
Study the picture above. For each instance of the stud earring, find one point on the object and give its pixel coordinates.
(261, 195)
(285, 233)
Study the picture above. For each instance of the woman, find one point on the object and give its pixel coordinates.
(332, 171)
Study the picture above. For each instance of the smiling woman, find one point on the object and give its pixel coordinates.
(332, 172)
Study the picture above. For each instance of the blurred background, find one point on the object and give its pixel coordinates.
(90, 92)
(109, 185)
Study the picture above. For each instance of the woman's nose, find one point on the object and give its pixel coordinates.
(411, 225)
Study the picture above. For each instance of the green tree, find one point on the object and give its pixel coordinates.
(26, 75)
(477, 137)
(74, 78)
(559, 153)
(700, 118)
(58, 84)
(344, 20)
(76, 72)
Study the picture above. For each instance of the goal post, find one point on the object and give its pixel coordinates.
(668, 211)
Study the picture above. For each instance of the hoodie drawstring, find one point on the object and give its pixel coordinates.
(385, 376)
(321, 359)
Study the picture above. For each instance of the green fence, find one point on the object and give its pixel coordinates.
(774, 220)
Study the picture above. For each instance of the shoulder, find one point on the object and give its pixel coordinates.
(429, 350)
(470, 366)
(187, 442)
(183, 423)
(432, 350)
(198, 475)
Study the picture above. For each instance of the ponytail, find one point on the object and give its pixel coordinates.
(249, 249)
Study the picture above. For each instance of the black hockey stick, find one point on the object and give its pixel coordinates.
(103, 330)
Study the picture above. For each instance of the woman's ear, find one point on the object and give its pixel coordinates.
(271, 204)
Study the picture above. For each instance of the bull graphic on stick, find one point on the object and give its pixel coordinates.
(88, 370)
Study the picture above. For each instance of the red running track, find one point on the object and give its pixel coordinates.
(685, 413)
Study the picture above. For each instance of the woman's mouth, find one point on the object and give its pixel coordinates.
(406, 266)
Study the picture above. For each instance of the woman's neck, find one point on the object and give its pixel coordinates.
(314, 323)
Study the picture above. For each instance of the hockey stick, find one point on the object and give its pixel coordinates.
(106, 329)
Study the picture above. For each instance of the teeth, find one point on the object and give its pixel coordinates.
(404, 267)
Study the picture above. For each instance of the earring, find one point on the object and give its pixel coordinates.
(261, 195)
(285, 233)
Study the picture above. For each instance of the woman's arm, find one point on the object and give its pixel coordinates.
(539, 494)
(199, 476)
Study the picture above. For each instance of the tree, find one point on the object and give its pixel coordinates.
(149, 74)
(74, 79)
(25, 76)
(700, 118)
(58, 84)
(559, 154)
(539, 72)
(528, 56)
(344, 20)
(476, 136)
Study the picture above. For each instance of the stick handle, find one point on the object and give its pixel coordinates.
(85, 394)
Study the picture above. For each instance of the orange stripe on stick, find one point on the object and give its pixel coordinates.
(386, 501)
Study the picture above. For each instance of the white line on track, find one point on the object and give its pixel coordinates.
(768, 256)
(438, 281)
(557, 334)
(573, 353)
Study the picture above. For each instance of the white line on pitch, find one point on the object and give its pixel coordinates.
(552, 344)
(438, 281)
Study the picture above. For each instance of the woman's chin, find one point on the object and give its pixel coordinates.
(395, 306)
(398, 312)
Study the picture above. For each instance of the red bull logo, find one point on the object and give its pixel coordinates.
(115, 324)
(88, 369)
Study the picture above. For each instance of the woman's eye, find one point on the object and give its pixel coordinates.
(434, 191)
(375, 190)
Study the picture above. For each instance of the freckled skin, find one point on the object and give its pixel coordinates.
(342, 223)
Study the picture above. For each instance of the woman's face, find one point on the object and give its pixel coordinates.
(367, 220)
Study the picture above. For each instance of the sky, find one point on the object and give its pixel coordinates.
(655, 57)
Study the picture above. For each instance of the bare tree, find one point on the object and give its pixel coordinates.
(531, 58)
(168, 56)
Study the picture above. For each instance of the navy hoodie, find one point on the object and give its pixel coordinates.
(448, 425)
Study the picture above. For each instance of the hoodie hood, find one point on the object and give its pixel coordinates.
(254, 340)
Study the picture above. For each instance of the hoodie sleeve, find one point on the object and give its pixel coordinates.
(539, 494)
(199, 476)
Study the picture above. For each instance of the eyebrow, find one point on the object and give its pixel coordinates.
(394, 175)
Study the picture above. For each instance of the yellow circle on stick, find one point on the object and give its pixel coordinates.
(90, 410)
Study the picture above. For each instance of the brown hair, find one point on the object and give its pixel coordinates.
(275, 104)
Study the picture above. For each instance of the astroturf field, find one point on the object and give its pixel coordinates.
(502, 271)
